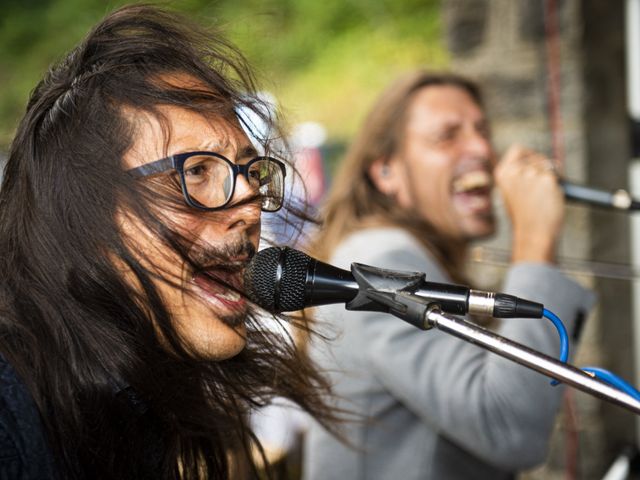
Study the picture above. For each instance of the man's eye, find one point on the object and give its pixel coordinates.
(195, 170)
(447, 135)
(484, 130)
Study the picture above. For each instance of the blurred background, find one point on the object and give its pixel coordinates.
(555, 76)
(323, 61)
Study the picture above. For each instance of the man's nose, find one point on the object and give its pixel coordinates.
(477, 144)
(245, 207)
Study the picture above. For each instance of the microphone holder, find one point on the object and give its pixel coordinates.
(425, 314)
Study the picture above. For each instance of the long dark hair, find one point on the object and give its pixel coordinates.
(120, 393)
(355, 202)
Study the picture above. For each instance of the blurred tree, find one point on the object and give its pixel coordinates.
(324, 61)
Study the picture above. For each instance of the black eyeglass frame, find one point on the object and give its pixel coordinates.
(177, 162)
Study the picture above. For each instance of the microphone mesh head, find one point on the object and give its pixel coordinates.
(276, 292)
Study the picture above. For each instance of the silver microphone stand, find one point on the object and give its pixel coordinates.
(425, 314)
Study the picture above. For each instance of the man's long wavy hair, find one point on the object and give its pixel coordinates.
(354, 202)
(120, 392)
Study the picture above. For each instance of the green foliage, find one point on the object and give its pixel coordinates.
(324, 60)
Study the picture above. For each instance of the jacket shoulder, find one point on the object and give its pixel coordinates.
(24, 453)
(391, 248)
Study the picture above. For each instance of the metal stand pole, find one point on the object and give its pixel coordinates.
(632, 34)
(528, 357)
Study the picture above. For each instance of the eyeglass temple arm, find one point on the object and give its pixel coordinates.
(152, 168)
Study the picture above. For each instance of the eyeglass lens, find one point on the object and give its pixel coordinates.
(209, 181)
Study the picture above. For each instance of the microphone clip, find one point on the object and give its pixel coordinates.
(372, 279)
(406, 306)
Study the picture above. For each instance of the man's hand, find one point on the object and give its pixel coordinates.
(534, 201)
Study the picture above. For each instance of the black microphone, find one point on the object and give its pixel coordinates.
(618, 199)
(281, 279)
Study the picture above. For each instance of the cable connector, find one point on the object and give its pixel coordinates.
(501, 305)
(508, 306)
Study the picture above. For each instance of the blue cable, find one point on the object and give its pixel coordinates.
(600, 373)
(562, 331)
(564, 337)
(614, 381)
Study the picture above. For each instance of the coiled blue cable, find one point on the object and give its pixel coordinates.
(562, 331)
(600, 373)
(564, 337)
(614, 381)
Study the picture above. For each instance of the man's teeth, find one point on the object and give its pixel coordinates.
(471, 181)
(230, 295)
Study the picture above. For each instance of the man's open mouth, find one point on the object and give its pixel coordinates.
(221, 285)
(477, 181)
(473, 190)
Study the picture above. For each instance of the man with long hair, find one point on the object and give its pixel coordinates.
(413, 192)
(131, 203)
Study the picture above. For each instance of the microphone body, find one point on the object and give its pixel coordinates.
(618, 199)
(284, 280)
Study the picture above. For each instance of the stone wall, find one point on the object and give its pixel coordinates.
(501, 43)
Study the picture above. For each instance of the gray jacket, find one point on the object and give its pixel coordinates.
(434, 406)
